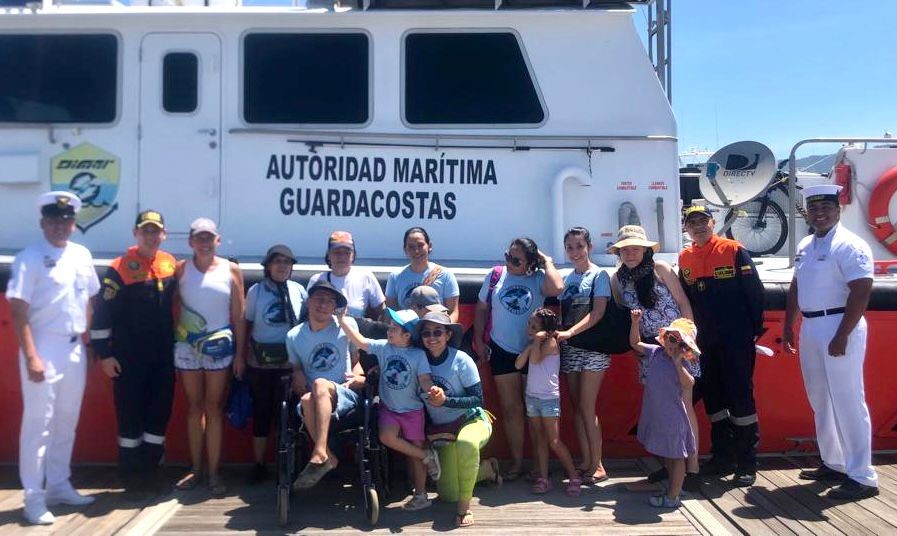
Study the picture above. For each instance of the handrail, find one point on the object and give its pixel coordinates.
(792, 183)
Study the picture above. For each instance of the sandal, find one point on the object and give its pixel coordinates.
(464, 520)
(513, 474)
(663, 501)
(189, 481)
(541, 487)
(574, 487)
(217, 486)
(599, 477)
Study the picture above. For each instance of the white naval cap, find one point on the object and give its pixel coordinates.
(821, 192)
(58, 203)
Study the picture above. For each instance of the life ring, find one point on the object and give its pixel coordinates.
(879, 220)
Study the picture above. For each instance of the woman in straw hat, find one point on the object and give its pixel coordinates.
(652, 286)
(460, 426)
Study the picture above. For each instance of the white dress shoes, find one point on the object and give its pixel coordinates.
(37, 514)
(67, 495)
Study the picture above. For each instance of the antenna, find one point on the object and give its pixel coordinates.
(737, 173)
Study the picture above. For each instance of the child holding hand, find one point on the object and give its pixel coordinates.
(664, 427)
(404, 373)
(543, 404)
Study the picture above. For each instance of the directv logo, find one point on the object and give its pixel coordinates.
(737, 165)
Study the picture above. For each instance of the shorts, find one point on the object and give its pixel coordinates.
(346, 401)
(543, 407)
(187, 358)
(501, 361)
(575, 359)
(410, 423)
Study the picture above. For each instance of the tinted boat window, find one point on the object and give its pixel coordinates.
(305, 78)
(468, 78)
(180, 79)
(58, 78)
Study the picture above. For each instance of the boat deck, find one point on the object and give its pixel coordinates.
(778, 504)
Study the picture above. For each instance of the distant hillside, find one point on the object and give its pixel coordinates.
(817, 163)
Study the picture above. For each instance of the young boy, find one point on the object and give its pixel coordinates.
(404, 374)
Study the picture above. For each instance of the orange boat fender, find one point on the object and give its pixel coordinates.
(879, 220)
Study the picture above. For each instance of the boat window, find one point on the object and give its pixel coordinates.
(58, 78)
(468, 78)
(315, 78)
(180, 82)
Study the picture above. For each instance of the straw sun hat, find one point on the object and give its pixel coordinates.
(632, 235)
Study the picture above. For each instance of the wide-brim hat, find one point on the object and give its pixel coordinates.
(632, 235)
(278, 249)
(687, 331)
(443, 320)
(322, 285)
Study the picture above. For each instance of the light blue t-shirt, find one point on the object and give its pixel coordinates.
(399, 371)
(578, 288)
(325, 353)
(513, 301)
(400, 284)
(454, 374)
(265, 309)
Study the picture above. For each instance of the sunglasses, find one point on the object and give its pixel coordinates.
(436, 333)
(673, 339)
(512, 260)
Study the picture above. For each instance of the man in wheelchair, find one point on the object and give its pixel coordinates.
(326, 376)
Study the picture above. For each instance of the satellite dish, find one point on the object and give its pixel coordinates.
(737, 173)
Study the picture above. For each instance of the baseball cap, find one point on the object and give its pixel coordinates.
(322, 285)
(696, 209)
(406, 318)
(150, 217)
(59, 204)
(341, 239)
(278, 249)
(423, 296)
(203, 225)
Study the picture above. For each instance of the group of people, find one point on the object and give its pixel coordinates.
(152, 316)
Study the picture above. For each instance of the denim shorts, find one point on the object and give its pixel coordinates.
(346, 401)
(543, 407)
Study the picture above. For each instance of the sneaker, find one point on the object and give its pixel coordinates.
(851, 490)
(417, 502)
(258, 474)
(716, 466)
(431, 462)
(824, 473)
(692, 483)
(744, 479)
(36, 513)
(312, 474)
(66, 494)
(662, 501)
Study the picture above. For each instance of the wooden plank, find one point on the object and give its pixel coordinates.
(751, 519)
(782, 496)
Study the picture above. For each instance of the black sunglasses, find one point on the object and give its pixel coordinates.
(673, 339)
(426, 334)
(512, 260)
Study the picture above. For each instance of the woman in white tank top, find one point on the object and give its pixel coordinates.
(209, 336)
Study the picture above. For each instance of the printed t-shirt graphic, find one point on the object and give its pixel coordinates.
(400, 368)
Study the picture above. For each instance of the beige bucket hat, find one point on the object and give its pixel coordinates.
(632, 235)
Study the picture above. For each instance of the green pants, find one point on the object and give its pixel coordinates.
(460, 461)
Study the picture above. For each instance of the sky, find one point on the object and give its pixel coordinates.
(779, 71)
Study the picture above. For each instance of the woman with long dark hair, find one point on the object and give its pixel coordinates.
(509, 295)
(421, 272)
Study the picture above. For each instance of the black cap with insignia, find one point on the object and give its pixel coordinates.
(150, 217)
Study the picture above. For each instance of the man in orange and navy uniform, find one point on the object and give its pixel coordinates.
(726, 296)
(133, 335)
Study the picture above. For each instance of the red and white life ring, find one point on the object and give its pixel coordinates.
(879, 220)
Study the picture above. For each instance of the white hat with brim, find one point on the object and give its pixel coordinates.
(821, 192)
(60, 202)
(632, 235)
(442, 319)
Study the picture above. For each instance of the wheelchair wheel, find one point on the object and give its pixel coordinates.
(371, 505)
(283, 505)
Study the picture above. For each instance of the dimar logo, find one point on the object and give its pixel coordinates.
(93, 175)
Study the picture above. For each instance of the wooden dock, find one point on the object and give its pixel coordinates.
(778, 504)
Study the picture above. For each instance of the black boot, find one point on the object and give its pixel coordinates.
(747, 437)
(721, 449)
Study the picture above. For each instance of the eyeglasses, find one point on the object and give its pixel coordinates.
(512, 260)
(436, 333)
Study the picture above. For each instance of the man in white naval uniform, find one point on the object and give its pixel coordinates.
(831, 286)
(49, 294)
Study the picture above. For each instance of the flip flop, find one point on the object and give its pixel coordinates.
(217, 487)
(464, 520)
(189, 481)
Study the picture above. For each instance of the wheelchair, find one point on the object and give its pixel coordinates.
(359, 427)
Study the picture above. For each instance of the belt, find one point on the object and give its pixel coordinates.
(822, 312)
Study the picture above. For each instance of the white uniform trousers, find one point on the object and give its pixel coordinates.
(51, 410)
(835, 388)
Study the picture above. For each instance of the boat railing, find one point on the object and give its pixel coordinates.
(340, 5)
